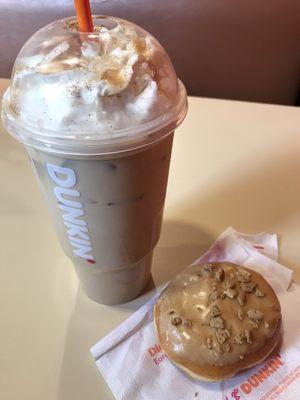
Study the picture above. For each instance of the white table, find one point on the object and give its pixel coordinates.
(233, 163)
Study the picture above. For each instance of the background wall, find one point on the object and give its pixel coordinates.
(236, 49)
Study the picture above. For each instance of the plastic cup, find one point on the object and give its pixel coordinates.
(102, 162)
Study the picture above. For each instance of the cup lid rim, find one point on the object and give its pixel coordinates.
(122, 139)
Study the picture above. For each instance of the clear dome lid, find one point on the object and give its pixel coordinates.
(107, 91)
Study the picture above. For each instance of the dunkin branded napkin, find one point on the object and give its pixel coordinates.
(135, 368)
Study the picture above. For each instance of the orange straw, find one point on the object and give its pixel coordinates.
(84, 16)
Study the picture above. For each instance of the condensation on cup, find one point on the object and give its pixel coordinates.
(96, 113)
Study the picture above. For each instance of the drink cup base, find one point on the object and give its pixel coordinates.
(118, 286)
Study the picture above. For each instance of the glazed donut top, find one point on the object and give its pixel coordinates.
(215, 314)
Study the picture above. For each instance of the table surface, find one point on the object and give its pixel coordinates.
(233, 163)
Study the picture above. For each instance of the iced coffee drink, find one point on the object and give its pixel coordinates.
(96, 113)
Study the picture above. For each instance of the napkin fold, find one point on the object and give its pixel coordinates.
(134, 366)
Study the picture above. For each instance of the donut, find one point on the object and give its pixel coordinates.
(216, 319)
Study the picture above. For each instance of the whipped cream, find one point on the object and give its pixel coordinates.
(110, 82)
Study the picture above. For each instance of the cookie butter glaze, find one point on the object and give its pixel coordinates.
(212, 327)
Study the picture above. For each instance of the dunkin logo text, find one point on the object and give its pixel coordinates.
(72, 211)
(257, 379)
(263, 374)
(157, 354)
